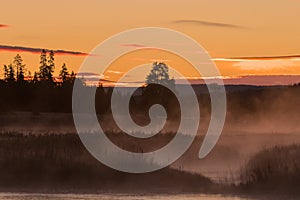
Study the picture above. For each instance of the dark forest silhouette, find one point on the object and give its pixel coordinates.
(44, 92)
(37, 93)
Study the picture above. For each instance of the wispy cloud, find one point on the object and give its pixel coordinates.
(262, 80)
(249, 58)
(295, 56)
(207, 23)
(38, 50)
(3, 26)
(204, 78)
(115, 72)
(137, 46)
(91, 77)
(149, 59)
(89, 74)
(132, 45)
(264, 64)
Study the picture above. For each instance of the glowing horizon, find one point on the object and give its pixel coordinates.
(240, 43)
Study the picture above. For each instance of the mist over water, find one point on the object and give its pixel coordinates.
(256, 120)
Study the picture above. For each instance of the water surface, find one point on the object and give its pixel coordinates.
(14, 196)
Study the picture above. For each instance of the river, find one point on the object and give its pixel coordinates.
(22, 196)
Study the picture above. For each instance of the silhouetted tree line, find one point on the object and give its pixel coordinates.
(43, 92)
(40, 92)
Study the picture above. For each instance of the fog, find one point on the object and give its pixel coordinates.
(256, 119)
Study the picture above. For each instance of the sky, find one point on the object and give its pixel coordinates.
(245, 38)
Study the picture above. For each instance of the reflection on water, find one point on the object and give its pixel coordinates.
(10, 196)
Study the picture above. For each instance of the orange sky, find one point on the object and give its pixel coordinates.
(226, 29)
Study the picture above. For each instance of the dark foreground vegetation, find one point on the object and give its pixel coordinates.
(60, 163)
(273, 171)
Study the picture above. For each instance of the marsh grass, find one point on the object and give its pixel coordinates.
(59, 162)
(273, 170)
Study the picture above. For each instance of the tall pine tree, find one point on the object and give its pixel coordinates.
(64, 74)
(46, 66)
(43, 65)
(20, 68)
(51, 66)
